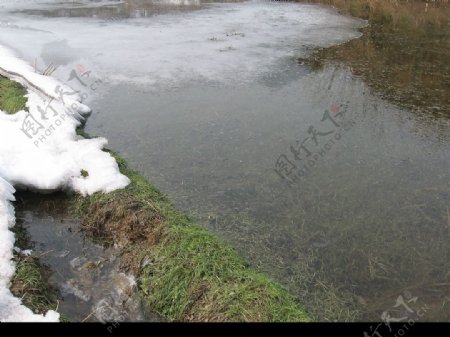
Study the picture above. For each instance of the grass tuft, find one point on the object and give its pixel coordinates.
(12, 96)
(31, 279)
(184, 272)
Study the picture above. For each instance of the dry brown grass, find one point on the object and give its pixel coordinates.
(123, 221)
(403, 54)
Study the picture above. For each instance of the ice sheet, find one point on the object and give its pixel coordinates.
(225, 43)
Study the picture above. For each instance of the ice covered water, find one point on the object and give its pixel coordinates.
(232, 42)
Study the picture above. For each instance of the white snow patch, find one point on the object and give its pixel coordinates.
(49, 156)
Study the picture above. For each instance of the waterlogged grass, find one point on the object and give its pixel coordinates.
(30, 283)
(403, 57)
(401, 14)
(403, 53)
(31, 280)
(12, 96)
(184, 272)
(194, 276)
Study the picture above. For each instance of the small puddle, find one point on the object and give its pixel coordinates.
(91, 286)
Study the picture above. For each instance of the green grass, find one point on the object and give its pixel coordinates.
(31, 279)
(184, 272)
(12, 95)
(194, 275)
(30, 283)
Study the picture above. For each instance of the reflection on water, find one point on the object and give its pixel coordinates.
(87, 275)
(369, 223)
(408, 66)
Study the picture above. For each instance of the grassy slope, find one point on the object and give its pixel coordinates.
(12, 95)
(184, 273)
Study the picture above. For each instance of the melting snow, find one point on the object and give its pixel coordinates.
(40, 150)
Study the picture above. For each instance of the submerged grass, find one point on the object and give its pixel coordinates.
(403, 57)
(12, 95)
(184, 272)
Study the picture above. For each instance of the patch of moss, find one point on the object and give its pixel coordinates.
(184, 272)
(12, 96)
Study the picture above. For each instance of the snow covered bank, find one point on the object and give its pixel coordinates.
(40, 150)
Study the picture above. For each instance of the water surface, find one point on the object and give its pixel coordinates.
(86, 275)
(365, 221)
(213, 106)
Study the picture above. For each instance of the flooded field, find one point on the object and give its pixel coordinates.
(322, 175)
(366, 220)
